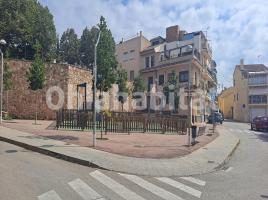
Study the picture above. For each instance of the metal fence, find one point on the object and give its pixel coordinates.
(122, 122)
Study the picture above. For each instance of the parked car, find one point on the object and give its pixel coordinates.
(216, 117)
(259, 123)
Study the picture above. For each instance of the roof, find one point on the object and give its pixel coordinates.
(253, 68)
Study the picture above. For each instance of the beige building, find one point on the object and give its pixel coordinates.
(128, 54)
(188, 55)
(226, 102)
(250, 91)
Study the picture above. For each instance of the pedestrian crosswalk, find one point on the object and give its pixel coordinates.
(137, 188)
(242, 130)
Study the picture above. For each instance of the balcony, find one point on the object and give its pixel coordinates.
(257, 100)
(209, 75)
(256, 83)
(207, 48)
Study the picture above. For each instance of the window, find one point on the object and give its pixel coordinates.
(161, 79)
(195, 78)
(131, 75)
(258, 99)
(257, 79)
(150, 82)
(183, 76)
(152, 61)
(131, 54)
(125, 56)
(147, 62)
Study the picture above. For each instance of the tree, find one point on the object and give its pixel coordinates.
(7, 82)
(106, 60)
(172, 87)
(69, 47)
(87, 43)
(25, 23)
(138, 85)
(122, 86)
(36, 75)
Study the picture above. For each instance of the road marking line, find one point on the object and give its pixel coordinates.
(152, 188)
(229, 169)
(115, 187)
(194, 180)
(180, 186)
(50, 195)
(84, 191)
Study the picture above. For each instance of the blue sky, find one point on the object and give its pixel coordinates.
(237, 29)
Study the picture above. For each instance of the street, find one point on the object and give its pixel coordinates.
(246, 175)
(26, 175)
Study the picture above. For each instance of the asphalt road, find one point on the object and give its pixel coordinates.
(245, 176)
(25, 175)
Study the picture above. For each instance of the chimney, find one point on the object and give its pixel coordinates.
(172, 33)
(242, 64)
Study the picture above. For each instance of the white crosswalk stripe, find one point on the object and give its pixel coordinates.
(50, 195)
(180, 186)
(84, 191)
(116, 187)
(164, 194)
(194, 180)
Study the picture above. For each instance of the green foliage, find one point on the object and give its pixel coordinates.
(106, 60)
(172, 86)
(122, 84)
(87, 43)
(138, 85)
(7, 77)
(69, 47)
(36, 74)
(172, 83)
(24, 23)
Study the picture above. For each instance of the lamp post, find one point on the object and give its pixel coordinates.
(95, 89)
(2, 42)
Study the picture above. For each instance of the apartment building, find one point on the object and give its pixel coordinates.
(250, 91)
(226, 102)
(128, 54)
(188, 55)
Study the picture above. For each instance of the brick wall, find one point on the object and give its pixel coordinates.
(22, 100)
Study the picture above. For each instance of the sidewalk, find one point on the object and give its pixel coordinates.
(138, 145)
(203, 160)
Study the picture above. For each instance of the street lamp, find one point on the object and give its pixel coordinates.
(2, 42)
(95, 88)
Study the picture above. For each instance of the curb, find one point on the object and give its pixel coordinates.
(227, 159)
(87, 163)
(52, 153)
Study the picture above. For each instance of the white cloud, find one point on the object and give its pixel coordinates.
(238, 29)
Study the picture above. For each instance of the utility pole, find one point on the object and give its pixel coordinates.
(95, 89)
(2, 42)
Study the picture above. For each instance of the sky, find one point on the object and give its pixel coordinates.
(236, 29)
